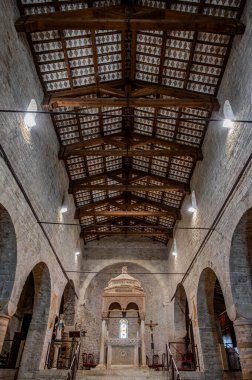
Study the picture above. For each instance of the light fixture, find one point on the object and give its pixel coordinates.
(29, 118)
(63, 209)
(193, 206)
(174, 248)
(77, 253)
(228, 114)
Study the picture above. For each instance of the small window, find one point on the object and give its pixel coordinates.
(123, 329)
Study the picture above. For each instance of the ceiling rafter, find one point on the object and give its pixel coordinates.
(180, 97)
(57, 102)
(182, 151)
(157, 71)
(125, 19)
(115, 201)
(134, 175)
(84, 234)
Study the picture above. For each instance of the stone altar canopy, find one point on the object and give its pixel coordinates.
(123, 305)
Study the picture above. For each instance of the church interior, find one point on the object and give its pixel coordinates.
(126, 189)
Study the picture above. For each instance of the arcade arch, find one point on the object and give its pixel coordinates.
(240, 266)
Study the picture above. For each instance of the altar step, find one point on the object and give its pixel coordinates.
(134, 374)
(121, 374)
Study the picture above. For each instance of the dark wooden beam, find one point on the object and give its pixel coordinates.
(128, 188)
(127, 214)
(93, 227)
(92, 206)
(172, 210)
(145, 89)
(76, 185)
(84, 234)
(195, 153)
(136, 140)
(175, 213)
(139, 18)
(57, 102)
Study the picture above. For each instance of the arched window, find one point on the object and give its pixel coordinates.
(123, 329)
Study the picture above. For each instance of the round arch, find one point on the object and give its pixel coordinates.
(103, 266)
(240, 265)
(8, 258)
(211, 311)
(36, 345)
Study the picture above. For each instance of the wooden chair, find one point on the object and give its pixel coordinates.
(188, 362)
(88, 361)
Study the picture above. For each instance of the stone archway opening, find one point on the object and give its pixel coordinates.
(208, 330)
(38, 337)
(241, 286)
(8, 262)
(226, 332)
(183, 347)
(18, 326)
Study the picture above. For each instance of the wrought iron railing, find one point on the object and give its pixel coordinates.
(185, 356)
(171, 365)
(12, 351)
(74, 363)
(60, 354)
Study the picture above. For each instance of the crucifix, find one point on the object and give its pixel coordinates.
(151, 326)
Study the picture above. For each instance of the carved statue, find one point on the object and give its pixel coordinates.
(60, 324)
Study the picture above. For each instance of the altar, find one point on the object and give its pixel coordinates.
(123, 326)
(122, 352)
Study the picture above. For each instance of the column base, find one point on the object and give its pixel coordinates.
(101, 366)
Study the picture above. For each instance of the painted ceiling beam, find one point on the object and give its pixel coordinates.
(133, 19)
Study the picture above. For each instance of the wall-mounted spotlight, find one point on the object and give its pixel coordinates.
(193, 206)
(174, 248)
(30, 118)
(228, 115)
(63, 209)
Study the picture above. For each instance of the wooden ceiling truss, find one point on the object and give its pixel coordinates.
(130, 87)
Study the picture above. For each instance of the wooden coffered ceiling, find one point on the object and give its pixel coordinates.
(131, 84)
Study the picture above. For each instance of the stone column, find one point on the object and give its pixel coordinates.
(243, 332)
(142, 336)
(56, 346)
(102, 347)
(4, 321)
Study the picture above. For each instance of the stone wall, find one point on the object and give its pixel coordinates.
(34, 157)
(225, 154)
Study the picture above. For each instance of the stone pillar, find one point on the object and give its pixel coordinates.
(102, 347)
(142, 336)
(109, 359)
(56, 347)
(243, 332)
(4, 321)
